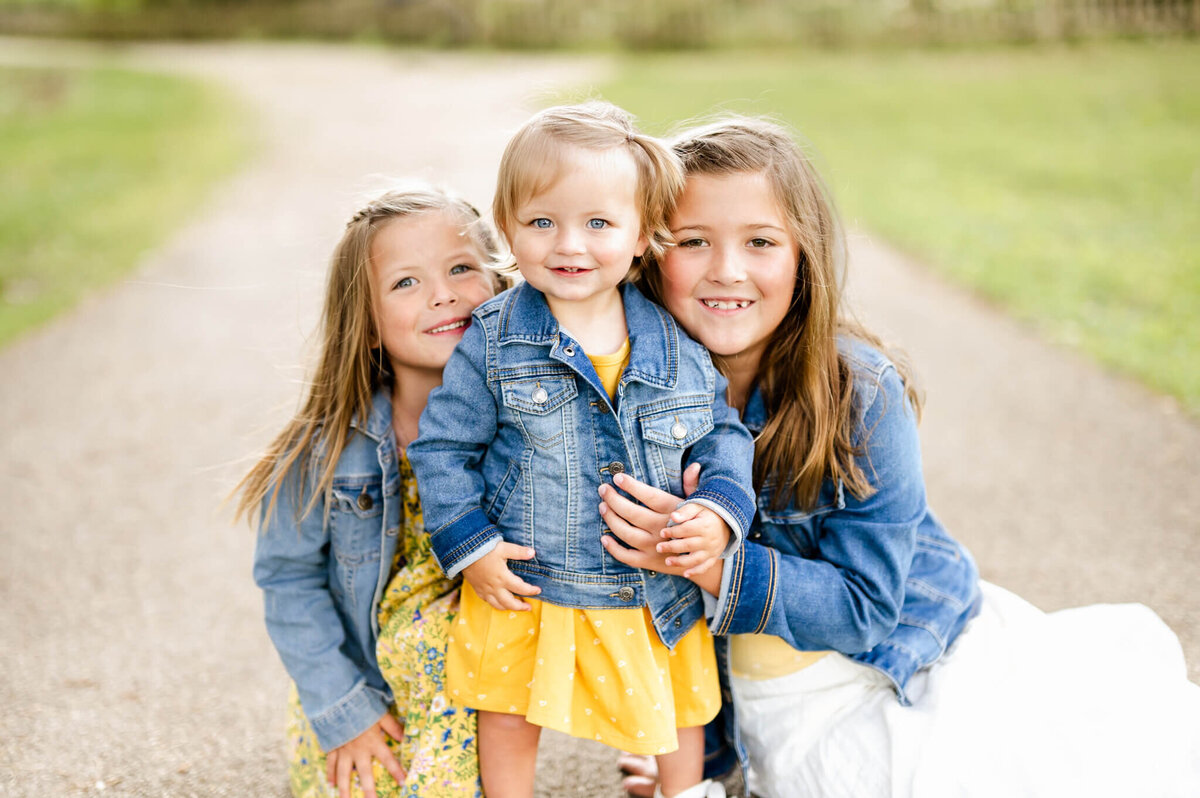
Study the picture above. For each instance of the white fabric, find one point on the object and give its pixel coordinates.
(705, 789)
(1092, 701)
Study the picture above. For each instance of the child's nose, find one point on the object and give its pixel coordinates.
(726, 266)
(569, 241)
(442, 294)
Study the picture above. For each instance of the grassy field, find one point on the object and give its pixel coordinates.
(1062, 183)
(96, 167)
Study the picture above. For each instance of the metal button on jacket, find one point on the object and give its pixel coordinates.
(540, 395)
(678, 431)
(603, 408)
(625, 593)
(364, 501)
(616, 467)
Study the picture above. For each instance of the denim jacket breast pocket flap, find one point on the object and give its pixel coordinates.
(678, 427)
(538, 395)
(667, 433)
(354, 516)
(792, 529)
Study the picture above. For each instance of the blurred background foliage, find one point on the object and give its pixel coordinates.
(1043, 153)
(1062, 183)
(638, 24)
(97, 166)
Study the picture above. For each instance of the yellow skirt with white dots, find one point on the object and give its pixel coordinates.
(598, 674)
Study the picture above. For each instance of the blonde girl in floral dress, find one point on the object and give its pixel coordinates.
(354, 602)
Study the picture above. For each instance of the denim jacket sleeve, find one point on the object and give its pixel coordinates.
(846, 594)
(456, 427)
(291, 566)
(725, 455)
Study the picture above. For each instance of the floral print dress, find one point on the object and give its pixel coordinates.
(438, 752)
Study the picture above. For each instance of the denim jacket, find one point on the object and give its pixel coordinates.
(877, 579)
(323, 577)
(521, 434)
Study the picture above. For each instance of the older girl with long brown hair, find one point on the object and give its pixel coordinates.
(355, 603)
(859, 653)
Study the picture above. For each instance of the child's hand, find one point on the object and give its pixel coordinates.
(494, 583)
(698, 537)
(341, 762)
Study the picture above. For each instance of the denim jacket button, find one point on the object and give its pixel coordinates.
(569, 350)
(539, 395)
(602, 407)
(678, 622)
(364, 501)
(616, 467)
(625, 593)
(678, 431)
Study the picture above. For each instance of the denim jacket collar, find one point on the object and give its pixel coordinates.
(525, 318)
(754, 417)
(378, 423)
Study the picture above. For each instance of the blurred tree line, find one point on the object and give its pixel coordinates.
(638, 24)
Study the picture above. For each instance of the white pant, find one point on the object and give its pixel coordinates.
(1091, 701)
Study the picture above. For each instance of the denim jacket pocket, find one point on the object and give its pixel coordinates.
(668, 431)
(791, 529)
(539, 405)
(495, 505)
(354, 519)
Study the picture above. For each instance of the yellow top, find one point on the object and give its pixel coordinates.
(609, 368)
(766, 657)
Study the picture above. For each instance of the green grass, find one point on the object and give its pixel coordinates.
(1063, 183)
(96, 167)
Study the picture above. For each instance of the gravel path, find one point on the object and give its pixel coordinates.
(132, 655)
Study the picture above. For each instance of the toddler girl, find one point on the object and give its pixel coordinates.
(562, 383)
(342, 558)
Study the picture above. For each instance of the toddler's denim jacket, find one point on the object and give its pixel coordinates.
(322, 580)
(878, 579)
(521, 434)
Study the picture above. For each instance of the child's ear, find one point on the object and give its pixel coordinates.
(643, 243)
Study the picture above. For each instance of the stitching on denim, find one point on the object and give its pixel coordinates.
(471, 543)
(772, 578)
(725, 501)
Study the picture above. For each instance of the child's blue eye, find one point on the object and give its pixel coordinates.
(461, 268)
(597, 224)
(405, 282)
(542, 223)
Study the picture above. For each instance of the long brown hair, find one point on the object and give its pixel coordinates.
(806, 384)
(351, 365)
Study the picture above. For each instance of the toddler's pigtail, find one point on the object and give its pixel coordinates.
(661, 183)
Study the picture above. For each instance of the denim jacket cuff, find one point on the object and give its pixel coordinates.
(732, 502)
(745, 604)
(463, 541)
(727, 517)
(349, 717)
(472, 558)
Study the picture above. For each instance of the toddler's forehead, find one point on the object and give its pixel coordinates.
(558, 160)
